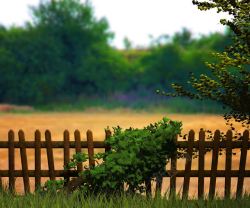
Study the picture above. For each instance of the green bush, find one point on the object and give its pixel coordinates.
(136, 155)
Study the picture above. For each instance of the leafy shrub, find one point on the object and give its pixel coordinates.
(135, 156)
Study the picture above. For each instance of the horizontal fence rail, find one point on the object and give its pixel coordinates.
(200, 145)
(100, 144)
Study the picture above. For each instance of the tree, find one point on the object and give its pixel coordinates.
(61, 55)
(127, 43)
(171, 61)
(184, 37)
(230, 85)
(80, 36)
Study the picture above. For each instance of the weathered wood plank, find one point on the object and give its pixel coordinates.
(159, 179)
(201, 164)
(228, 166)
(148, 187)
(37, 160)
(107, 135)
(78, 148)
(173, 173)
(50, 155)
(24, 162)
(179, 173)
(101, 144)
(66, 155)
(90, 149)
(188, 165)
(11, 152)
(242, 167)
(214, 164)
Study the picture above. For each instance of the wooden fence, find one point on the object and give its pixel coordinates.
(201, 144)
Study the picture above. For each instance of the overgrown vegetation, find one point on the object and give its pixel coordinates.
(135, 156)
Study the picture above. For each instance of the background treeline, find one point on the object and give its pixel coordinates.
(64, 56)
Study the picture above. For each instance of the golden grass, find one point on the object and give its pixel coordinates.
(97, 121)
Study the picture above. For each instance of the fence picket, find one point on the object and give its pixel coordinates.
(201, 164)
(228, 166)
(50, 155)
(66, 154)
(78, 148)
(173, 172)
(243, 156)
(24, 162)
(159, 179)
(188, 164)
(90, 148)
(214, 164)
(11, 138)
(148, 187)
(107, 135)
(37, 159)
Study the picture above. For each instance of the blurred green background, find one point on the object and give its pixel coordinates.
(62, 61)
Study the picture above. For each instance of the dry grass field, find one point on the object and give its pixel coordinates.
(97, 120)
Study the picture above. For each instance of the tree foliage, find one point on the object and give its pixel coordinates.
(231, 73)
(63, 53)
(63, 56)
(173, 61)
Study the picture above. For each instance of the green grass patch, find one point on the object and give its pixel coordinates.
(124, 201)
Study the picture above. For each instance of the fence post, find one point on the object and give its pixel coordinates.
(214, 164)
(66, 152)
(201, 164)
(243, 156)
(148, 187)
(11, 137)
(50, 155)
(188, 164)
(173, 172)
(37, 159)
(90, 149)
(107, 135)
(78, 148)
(158, 183)
(228, 167)
(24, 162)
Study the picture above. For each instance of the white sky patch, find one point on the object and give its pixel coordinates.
(134, 19)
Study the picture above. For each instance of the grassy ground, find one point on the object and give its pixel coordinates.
(77, 200)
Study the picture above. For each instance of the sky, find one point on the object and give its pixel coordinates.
(138, 20)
